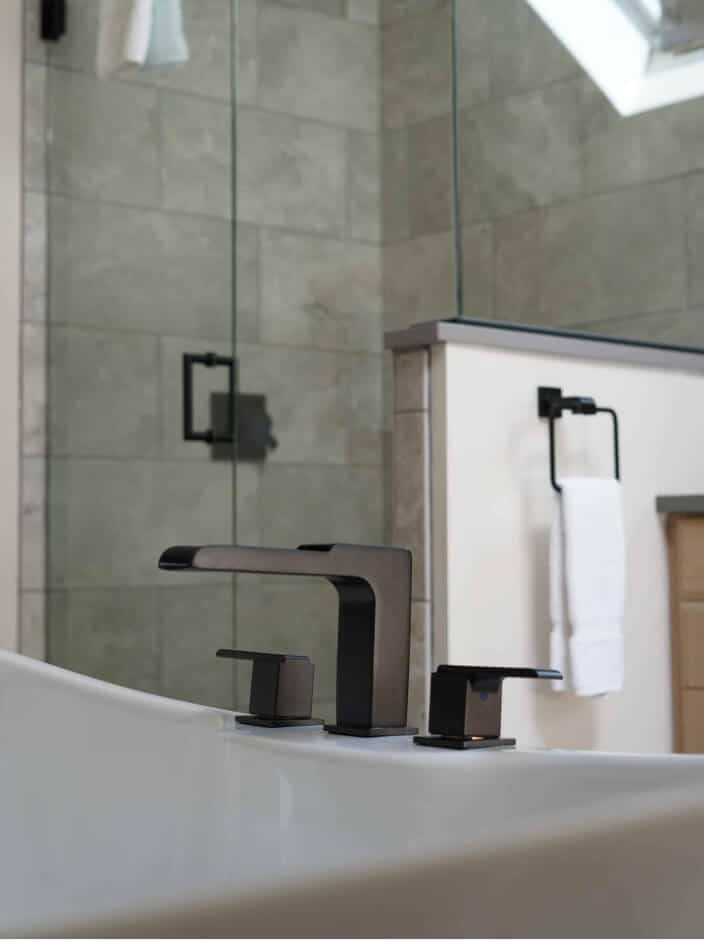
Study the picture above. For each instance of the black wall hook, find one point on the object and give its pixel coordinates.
(551, 404)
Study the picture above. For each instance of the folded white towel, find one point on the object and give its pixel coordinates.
(587, 586)
(139, 32)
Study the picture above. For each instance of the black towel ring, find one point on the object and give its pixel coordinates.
(551, 404)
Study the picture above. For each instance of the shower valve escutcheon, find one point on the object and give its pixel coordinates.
(373, 585)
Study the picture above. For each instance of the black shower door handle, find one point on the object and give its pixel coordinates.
(210, 361)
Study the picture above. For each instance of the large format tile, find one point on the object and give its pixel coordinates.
(364, 186)
(109, 634)
(193, 624)
(35, 117)
(104, 393)
(518, 265)
(326, 407)
(419, 280)
(416, 79)
(33, 524)
(246, 58)
(320, 505)
(524, 52)
(34, 389)
(116, 541)
(34, 257)
(290, 172)
(472, 18)
(136, 269)
(478, 271)
(99, 541)
(319, 292)
(615, 254)
(246, 478)
(318, 67)
(694, 198)
(395, 191)
(104, 139)
(246, 325)
(430, 176)
(196, 155)
(521, 152)
(622, 151)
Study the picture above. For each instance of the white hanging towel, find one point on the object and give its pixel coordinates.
(587, 586)
(140, 32)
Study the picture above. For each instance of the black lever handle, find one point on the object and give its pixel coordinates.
(281, 693)
(465, 705)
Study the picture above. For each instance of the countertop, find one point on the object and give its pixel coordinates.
(688, 503)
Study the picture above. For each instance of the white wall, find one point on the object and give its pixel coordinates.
(10, 266)
(492, 505)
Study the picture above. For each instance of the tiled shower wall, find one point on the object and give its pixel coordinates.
(128, 264)
(136, 269)
(572, 216)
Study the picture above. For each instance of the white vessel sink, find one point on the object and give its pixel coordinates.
(125, 814)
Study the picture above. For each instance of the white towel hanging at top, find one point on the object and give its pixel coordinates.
(587, 586)
(140, 32)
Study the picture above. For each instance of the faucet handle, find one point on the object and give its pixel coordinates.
(281, 693)
(465, 705)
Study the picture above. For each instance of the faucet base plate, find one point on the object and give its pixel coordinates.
(276, 722)
(462, 744)
(375, 732)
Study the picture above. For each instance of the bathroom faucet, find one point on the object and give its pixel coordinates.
(374, 624)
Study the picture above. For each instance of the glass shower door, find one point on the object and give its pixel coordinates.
(141, 243)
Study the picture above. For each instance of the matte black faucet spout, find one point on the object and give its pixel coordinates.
(374, 589)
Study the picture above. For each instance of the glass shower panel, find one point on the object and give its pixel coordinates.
(584, 220)
(420, 252)
(310, 143)
(140, 259)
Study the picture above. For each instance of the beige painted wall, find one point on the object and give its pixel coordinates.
(492, 505)
(10, 266)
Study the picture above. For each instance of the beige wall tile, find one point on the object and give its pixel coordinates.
(410, 490)
(411, 381)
